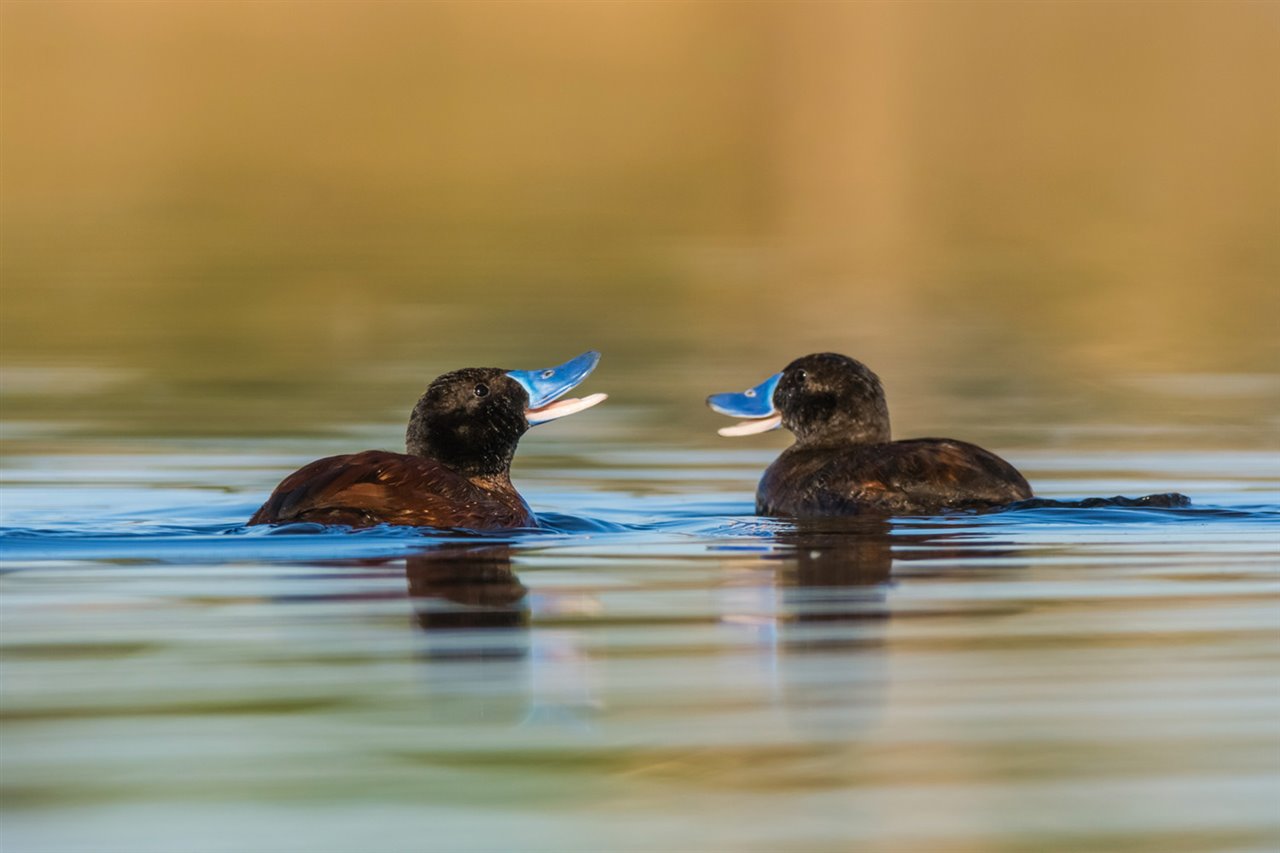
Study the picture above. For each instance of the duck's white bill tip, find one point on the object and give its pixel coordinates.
(753, 426)
(560, 408)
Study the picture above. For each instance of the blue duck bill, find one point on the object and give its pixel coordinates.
(755, 402)
(550, 383)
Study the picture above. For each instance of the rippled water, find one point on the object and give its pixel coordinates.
(237, 237)
(657, 669)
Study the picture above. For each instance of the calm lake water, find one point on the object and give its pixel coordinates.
(236, 237)
(657, 669)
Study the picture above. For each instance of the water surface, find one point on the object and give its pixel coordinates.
(238, 237)
(654, 669)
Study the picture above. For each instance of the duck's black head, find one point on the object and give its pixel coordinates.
(823, 399)
(472, 419)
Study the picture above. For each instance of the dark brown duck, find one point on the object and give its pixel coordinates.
(844, 461)
(456, 471)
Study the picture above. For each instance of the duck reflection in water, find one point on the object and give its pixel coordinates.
(816, 610)
(854, 555)
(833, 577)
(466, 586)
(474, 645)
(838, 569)
(483, 664)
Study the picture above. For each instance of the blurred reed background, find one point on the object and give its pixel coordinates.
(255, 218)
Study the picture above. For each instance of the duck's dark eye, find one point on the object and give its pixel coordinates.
(800, 376)
(482, 390)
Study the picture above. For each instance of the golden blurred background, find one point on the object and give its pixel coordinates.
(247, 218)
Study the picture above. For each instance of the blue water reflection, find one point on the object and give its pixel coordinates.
(654, 652)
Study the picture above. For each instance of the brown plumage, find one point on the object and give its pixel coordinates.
(923, 475)
(378, 487)
(461, 438)
(844, 461)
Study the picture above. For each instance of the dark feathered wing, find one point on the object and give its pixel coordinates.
(938, 473)
(377, 487)
(922, 475)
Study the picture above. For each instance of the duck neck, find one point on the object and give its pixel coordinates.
(845, 431)
(481, 453)
(487, 469)
(499, 482)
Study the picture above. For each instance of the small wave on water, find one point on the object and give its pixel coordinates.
(1167, 508)
(1166, 500)
(148, 540)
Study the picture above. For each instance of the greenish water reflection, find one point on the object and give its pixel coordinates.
(268, 218)
(237, 237)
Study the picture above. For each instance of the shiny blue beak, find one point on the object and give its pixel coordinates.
(755, 402)
(551, 383)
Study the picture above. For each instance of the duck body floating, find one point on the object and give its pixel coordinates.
(844, 461)
(456, 471)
